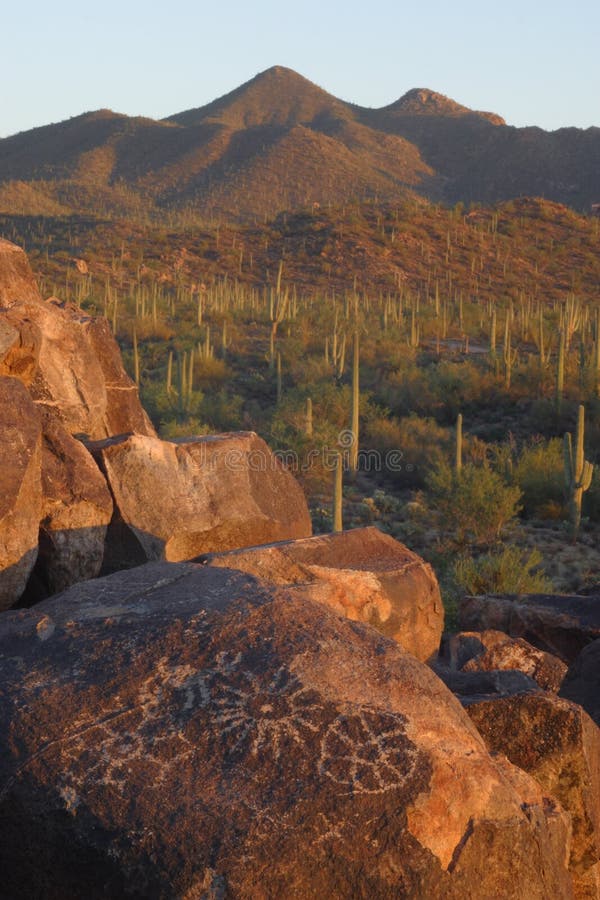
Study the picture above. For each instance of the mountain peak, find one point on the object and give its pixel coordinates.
(425, 102)
(276, 96)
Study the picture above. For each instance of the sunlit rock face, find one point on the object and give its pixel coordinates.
(183, 730)
(557, 743)
(364, 574)
(177, 499)
(20, 488)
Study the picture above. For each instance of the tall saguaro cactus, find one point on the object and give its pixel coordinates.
(560, 371)
(578, 472)
(355, 403)
(338, 481)
(458, 445)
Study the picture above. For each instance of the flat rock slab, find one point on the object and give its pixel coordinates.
(181, 730)
(558, 744)
(364, 574)
(20, 488)
(561, 624)
(177, 499)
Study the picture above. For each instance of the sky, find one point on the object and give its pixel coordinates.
(532, 62)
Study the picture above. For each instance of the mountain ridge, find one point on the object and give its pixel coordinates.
(280, 141)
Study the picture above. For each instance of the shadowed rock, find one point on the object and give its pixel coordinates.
(181, 730)
(76, 510)
(364, 574)
(582, 682)
(20, 488)
(558, 744)
(177, 499)
(561, 624)
(485, 651)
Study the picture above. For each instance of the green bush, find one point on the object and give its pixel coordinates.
(509, 571)
(472, 505)
(539, 473)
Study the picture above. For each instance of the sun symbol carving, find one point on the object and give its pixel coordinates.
(253, 714)
(365, 751)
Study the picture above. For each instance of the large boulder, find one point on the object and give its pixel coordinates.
(582, 681)
(364, 574)
(489, 651)
(558, 744)
(70, 361)
(16, 278)
(20, 488)
(181, 730)
(76, 510)
(75, 369)
(561, 624)
(177, 499)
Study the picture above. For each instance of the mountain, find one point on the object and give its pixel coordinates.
(280, 142)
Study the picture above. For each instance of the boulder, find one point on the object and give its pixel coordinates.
(79, 374)
(177, 499)
(70, 361)
(472, 686)
(76, 510)
(582, 681)
(363, 574)
(558, 744)
(488, 651)
(20, 488)
(561, 624)
(16, 278)
(181, 730)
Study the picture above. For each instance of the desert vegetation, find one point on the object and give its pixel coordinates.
(445, 354)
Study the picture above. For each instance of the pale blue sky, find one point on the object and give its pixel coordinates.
(535, 63)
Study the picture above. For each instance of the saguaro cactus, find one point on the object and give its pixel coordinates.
(560, 371)
(337, 491)
(458, 445)
(355, 403)
(308, 428)
(578, 472)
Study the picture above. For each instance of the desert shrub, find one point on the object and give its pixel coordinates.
(222, 410)
(472, 505)
(539, 473)
(508, 571)
(422, 442)
(187, 428)
(440, 389)
(211, 372)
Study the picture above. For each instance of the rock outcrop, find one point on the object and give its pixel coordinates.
(559, 745)
(183, 730)
(16, 278)
(489, 651)
(76, 510)
(363, 574)
(177, 499)
(20, 488)
(162, 500)
(70, 361)
(561, 624)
